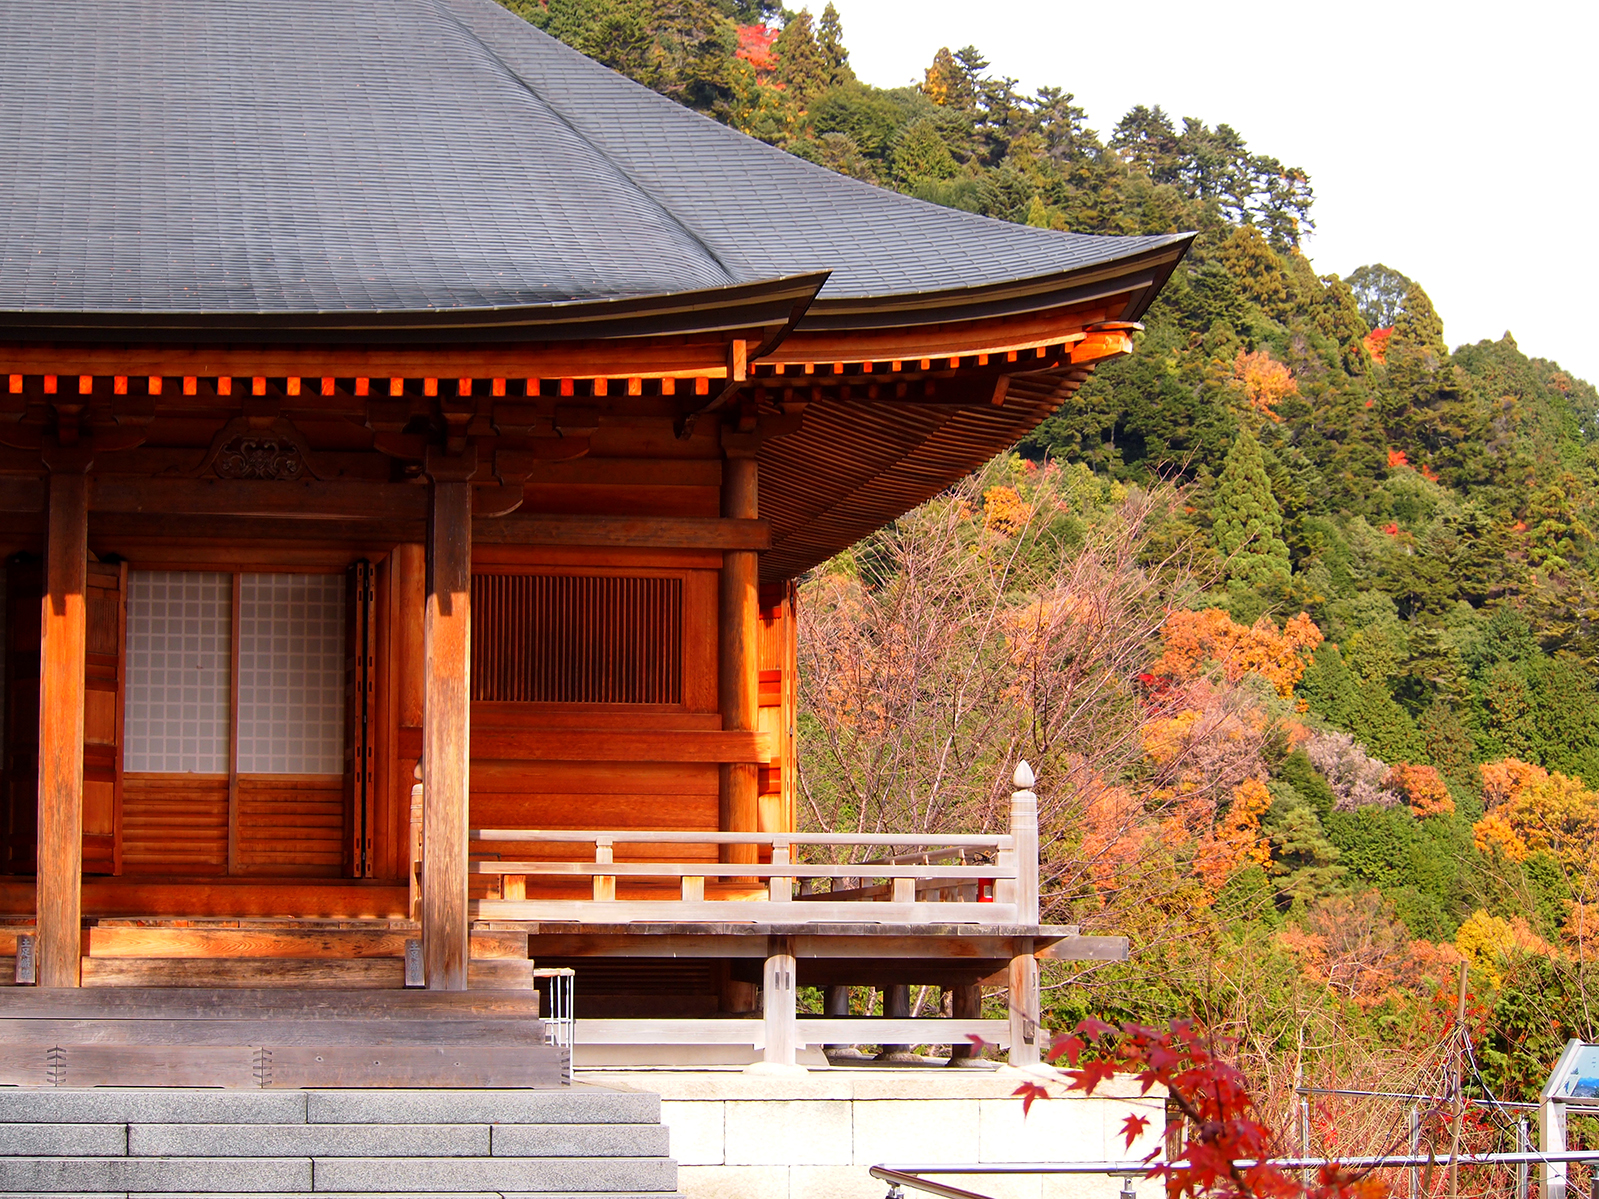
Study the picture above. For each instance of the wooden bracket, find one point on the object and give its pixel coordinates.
(738, 444)
(497, 501)
(444, 467)
(737, 376)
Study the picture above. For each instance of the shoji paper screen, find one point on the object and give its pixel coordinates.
(291, 674)
(178, 661)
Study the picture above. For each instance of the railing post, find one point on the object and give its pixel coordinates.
(780, 889)
(1023, 976)
(604, 884)
(1415, 1150)
(1552, 1139)
(414, 842)
(1024, 829)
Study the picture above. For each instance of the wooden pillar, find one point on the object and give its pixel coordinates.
(739, 678)
(61, 690)
(896, 1006)
(446, 746)
(407, 681)
(1023, 976)
(966, 1003)
(779, 1008)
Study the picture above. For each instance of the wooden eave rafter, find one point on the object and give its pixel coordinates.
(852, 427)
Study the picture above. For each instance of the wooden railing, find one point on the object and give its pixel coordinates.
(914, 882)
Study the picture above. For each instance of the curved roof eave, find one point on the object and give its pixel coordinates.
(768, 304)
(1143, 272)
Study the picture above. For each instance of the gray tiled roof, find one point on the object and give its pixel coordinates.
(358, 156)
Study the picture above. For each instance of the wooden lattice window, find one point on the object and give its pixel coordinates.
(577, 639)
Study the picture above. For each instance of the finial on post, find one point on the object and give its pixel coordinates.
(1023, 778)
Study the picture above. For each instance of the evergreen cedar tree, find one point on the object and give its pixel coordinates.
(1429, 510)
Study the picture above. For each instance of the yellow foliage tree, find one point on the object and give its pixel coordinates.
(1486, 941)
(1005, 512)
(1533, 811)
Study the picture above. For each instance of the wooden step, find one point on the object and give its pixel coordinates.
(257, 1066)
(268, 1037)
(488, 974)
(120, 941)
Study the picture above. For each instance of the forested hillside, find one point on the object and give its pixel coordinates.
(1294, 608)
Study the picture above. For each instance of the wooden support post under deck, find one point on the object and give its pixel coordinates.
(739, 678)
(447, 636)
(896, 1006)
(61, 691)
(779, 1008)
(1023, 1005)
(966, 1003)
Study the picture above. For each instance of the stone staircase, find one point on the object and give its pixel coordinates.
(156, 1142)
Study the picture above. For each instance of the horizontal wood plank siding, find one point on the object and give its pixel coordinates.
(174, 824)
(291, 825)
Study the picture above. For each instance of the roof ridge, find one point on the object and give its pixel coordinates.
(446, 7)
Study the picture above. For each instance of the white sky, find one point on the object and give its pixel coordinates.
(1458, 143)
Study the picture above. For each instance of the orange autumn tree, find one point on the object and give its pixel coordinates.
(1263, 382)
(1279, 656)
(1206, 744)
(1236, 841)
(1422, 786)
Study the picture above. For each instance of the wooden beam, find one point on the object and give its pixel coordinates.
(664, 532)
(61, 693)
(959, 339)
(574, 745)
(229, 531)
(565, 359)
(445, 726)
(739, 656)
(300, 498)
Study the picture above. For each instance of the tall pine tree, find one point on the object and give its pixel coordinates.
(1248, 525)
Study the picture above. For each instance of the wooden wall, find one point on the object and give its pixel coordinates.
(536, 763)
(596, 765)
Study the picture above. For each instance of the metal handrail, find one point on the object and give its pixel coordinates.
(560, 1024)
(899, 1176)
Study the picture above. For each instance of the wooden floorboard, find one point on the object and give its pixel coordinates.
(244, 1003)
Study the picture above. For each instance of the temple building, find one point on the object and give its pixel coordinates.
(411, 434)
